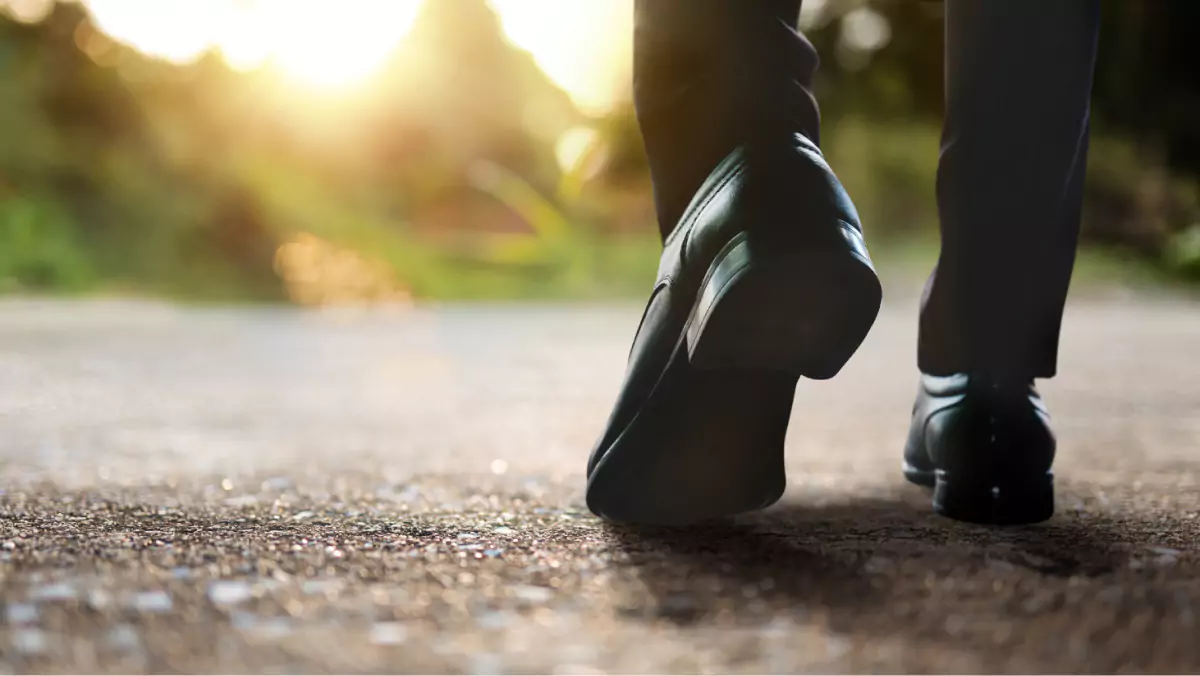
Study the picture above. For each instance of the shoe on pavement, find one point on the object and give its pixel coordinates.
(764, 279)
(985, 447)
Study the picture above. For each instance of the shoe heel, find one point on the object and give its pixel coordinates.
(800, 312)
(1007, 502)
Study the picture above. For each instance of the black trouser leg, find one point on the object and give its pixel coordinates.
(1010, 182)
(709, 75)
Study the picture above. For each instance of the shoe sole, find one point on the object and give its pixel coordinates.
(706, 445)
(761, 320)
(1002, 502)
(925, 478)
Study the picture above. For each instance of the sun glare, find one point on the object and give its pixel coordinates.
(322, 43)
(335, 44)
(318, 42)
(583, 45)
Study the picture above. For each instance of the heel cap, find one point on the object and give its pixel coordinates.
(1011, 502)
(804, 313)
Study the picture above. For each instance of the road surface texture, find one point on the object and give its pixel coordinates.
(279, 490)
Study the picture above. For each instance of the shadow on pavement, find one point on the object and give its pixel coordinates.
(905, 590)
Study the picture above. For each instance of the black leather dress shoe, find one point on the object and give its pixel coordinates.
(764, 279)
(985, 447)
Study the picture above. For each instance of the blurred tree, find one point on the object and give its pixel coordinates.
(120, 169)
(1148, 76)
(79, 149)
(457, 93)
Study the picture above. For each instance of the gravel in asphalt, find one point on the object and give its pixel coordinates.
(278, 490)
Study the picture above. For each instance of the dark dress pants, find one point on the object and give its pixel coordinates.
(712, 74)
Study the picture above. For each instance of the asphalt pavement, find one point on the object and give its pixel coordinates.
(400, 490)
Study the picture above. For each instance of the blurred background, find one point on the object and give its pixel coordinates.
(329, 152)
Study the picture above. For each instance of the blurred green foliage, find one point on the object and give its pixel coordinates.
(443, 179)
(39, 247)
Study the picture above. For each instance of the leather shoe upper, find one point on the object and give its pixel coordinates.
(778, 191)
